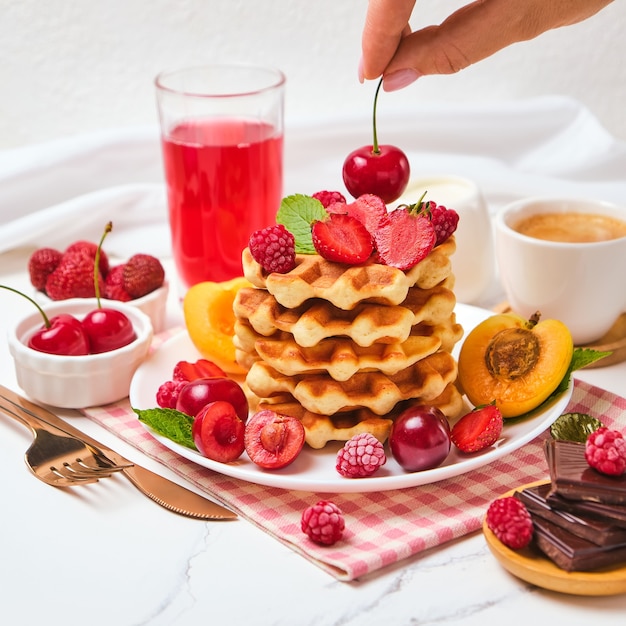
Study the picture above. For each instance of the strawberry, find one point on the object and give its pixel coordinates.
(143, 274)
(444, 221)
(329, 197)
(342, 238)
(114, 285)
(202, 368)
(41, 264)
(89, 248)
(478, 429)
(368, 209)
(73, 278)
(404, 237)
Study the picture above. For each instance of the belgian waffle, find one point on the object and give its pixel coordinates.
(322, 429)
(365, 324)
(345, 287)
(340, 356)
(320, 393)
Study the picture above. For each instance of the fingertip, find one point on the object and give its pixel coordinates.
(400, 79)
(361, 73)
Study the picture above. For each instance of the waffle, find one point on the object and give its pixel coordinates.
(320, 393)
(322, 429)
(365, 324)
(345, 287)
(340, 357)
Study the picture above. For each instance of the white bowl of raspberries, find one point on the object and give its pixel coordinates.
(62, 275)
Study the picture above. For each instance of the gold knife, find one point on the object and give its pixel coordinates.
(168, 494)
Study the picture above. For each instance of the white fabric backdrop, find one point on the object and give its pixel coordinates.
(53, 193)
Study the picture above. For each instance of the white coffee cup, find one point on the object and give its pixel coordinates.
(583, 284)
(473, 263)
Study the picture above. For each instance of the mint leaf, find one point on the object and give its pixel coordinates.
(585, 356)
(296, 213)
(169, 423)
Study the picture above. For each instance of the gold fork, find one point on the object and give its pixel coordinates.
(57, 458)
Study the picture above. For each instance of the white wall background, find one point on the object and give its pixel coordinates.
(74, 66)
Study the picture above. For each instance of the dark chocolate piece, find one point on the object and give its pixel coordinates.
(573, 478)
(614, 514)
(598, 532)
(572, 553)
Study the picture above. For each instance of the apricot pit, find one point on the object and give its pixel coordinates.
(515, 362)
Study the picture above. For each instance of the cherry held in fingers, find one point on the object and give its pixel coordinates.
(382, 170)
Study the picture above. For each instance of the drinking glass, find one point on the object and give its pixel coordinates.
(222, 145)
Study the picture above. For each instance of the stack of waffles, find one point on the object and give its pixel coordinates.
(345, 348)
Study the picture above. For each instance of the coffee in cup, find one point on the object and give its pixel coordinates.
(565, 258)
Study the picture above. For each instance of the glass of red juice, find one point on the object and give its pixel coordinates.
(222, 144)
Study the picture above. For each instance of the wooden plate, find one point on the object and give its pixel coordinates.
(614, 341)
(538, 570)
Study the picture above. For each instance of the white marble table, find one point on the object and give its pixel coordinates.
(103, 554)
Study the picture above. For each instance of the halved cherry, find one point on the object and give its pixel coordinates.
(218, 432)
(272, 440)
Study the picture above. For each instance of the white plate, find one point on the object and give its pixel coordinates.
(314, 470)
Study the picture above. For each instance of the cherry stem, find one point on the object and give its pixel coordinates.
(375, 148)
(96, 264)
(46, 321)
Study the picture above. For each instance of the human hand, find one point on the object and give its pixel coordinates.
(470, 34)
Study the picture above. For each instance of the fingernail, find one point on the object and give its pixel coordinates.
(400, 79)
(361, 74)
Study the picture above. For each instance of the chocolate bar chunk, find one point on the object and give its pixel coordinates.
(572, 553)
(613, 514)
(573, 478)
(597, 531)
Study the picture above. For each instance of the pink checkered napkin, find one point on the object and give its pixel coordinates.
(381, 528)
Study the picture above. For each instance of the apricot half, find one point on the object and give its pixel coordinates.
(515, 362)
(210, 321)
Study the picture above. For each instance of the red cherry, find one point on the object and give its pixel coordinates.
(380, 170)
(420, 438)
(196, 394)
(108, 329)
(64, 335)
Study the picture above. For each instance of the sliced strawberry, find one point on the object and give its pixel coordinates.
(368, 209)
(184, 370)
(478, 429)
(404, 237)
(342, 239)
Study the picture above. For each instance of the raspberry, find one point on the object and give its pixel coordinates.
(274, 248)
(41, 264)
(143, 274)
(509, 520)
(444, 221)
(361, 456)
(329, 197)
(605, 451)
(167, 394)
(114, 285)
(323, 523)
